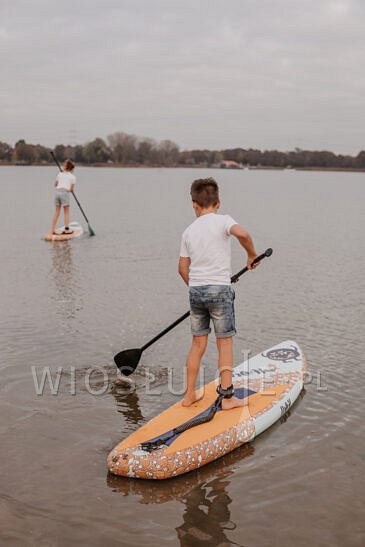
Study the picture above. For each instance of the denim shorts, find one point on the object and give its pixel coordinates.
(62, 197)
(212, 302)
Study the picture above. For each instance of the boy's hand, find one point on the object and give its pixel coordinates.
(250, 260)
(246, 241)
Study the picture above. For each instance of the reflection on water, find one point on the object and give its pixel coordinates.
(204, 494)
(288, 413)
(206, 516)
(127, 403)
(66, 279)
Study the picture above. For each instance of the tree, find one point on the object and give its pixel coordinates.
(146, 151)
(96, 151)
(123, 146)
(185, 158)
(168, 152)
(78, 153)
(200, 156)
(24, 153)
(60, 152)
(5, 151)
(215, 157)
(360, 159)
(42, 153)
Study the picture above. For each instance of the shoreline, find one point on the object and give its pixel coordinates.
(196, 166)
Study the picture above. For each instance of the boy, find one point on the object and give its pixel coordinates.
(64, 184)
(205, 265)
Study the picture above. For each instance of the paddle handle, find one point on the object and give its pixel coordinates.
(234, 279)
(236, 276)
(56, 161)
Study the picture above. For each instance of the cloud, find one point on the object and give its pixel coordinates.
(212, 74)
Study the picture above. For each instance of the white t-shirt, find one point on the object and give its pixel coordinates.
(64, 180)
(207, 243)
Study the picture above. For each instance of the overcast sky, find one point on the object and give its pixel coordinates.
(206, 74)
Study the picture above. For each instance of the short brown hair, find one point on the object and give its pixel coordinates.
(205, 192)
(69, 165)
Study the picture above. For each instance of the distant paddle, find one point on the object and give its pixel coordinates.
(91, 231)
(128, 359)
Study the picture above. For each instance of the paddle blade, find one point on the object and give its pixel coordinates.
(128, 360)
(91, 231)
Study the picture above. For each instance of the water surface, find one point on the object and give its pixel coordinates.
(70, 306)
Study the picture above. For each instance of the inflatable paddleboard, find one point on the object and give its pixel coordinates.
(269, 383)
(77, 232)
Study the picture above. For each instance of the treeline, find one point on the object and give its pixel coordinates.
(125, 149)
(119, 148)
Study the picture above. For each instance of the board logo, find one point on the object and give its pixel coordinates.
(285, 407)
(286, 355)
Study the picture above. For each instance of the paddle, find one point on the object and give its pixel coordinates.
(128, 359)
(91, 231)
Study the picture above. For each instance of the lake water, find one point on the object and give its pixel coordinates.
(71, 306)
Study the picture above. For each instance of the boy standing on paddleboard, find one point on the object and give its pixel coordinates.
(64, 184)
(205, 266)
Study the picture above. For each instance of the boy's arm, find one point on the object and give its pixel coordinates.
(246, 241)
(184, 265)
(72, 186)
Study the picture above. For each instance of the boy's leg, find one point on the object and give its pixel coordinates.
(225, 361)
(55, 218)
(222, 314)
(225, 365)
(196, 353)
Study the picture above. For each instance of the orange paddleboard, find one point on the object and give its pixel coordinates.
(269, 383)
(76, 228)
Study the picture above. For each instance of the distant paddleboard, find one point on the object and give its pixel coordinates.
(269, 382)
(59, 236)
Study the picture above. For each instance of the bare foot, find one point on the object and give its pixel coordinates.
(233, 402)
(190, 399)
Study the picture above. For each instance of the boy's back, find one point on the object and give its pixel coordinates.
(205, 265)
(207, 243)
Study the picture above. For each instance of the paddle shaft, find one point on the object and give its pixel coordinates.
(234, 279)
(73, 193)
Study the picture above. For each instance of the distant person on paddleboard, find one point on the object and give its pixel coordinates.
(205, 266)
(64, 184)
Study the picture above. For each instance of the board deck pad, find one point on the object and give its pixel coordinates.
(77, 232)
(171, 436)
(269, 383)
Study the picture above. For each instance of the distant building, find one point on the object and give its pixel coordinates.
(230, 164)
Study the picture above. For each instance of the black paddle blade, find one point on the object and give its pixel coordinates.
(91, 231)
(128, 360)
